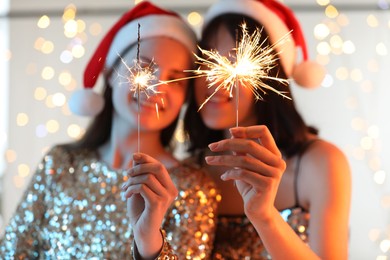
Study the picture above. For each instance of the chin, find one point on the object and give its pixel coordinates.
(218, 124)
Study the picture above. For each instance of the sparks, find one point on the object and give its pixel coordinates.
(251, 67)
(140, 77)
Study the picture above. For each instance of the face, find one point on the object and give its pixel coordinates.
(220, 111)
(159, 110)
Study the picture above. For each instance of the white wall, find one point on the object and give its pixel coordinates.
(351, 112)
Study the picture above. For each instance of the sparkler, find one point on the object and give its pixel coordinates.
(140, 77)
(251, 67)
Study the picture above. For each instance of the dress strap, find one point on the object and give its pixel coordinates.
(297, 169)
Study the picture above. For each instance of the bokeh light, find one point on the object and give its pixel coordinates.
(59, 99)
(43, 22)
(381, 49)
(331, 11)
(40, 93)
(52, 126)
(47, 73)
(194, 18)
(372, 21)
(22, 119)
(10, 155)
(321, 31)
(74, 131)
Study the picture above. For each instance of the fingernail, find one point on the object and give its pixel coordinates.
(136, 156)
(123, 186)
(213, 146)
(210, 158)
(233, 130)
(123, 196)
(223, 177)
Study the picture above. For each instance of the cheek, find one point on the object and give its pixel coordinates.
(120, 98)
(200, 90)
(247, 103)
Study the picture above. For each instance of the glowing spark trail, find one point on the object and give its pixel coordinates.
(251, 67)
(140, 77)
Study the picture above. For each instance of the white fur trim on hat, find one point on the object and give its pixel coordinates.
(151, 26)
(274, 26)
(86, 102)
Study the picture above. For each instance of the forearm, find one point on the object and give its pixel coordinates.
(150, 249)
(280, 240)
(164, 250)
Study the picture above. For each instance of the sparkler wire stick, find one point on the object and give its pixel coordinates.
(237, 86)
(138, 91)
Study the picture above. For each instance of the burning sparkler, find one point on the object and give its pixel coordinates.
(251, 67)
(140, 77)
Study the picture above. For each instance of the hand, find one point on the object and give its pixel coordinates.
(256, 167)
(150, 191)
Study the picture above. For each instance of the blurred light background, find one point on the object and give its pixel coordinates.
(44, 46)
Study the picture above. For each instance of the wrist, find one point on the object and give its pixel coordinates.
(165, 251)
(148, 246)
(263, 220)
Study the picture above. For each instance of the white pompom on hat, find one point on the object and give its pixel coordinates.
(278, 20)
(154, 22)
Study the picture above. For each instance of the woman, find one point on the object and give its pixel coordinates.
(73, 207)
(291, 189)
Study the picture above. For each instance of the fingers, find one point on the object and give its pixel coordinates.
(145, 164)
(258, 182)
(257, 131)
(140, 158)
(262, 157)
(150, 173)
(143, 190)
(247, 163)
(244, 147)
(146, 185)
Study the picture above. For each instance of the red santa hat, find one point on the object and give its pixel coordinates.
(154, 22)
(278, 20)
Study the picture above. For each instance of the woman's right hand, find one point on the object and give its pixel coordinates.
(256, 166)
(149, 192)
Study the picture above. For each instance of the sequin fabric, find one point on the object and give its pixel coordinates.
(73, 209)
(236, 238)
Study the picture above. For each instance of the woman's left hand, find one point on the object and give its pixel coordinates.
(256, 167)
(149, 192)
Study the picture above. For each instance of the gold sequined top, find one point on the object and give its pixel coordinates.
(73, 209)
(236, 237)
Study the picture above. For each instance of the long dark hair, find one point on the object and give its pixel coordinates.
(99, 130)
(277, 113)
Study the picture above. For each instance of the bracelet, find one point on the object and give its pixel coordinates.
(166, 252)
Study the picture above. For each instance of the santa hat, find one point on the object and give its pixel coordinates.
(278, 20)
(153, 22)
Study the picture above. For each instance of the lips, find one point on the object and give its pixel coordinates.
(218, 98)
(151, 103)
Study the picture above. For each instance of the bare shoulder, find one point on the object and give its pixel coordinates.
(324, 171)
(322, 154)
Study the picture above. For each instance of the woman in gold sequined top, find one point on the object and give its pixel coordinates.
(73, 208)
(291, 192)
